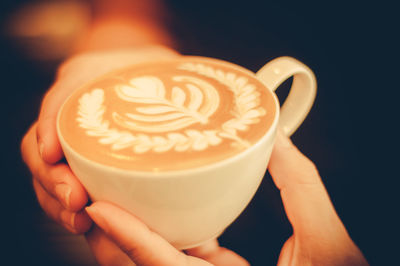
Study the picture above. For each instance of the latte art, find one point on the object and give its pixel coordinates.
(151, 117)
(167, 114)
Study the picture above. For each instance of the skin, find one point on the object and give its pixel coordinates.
(122, 36)
(319, 236)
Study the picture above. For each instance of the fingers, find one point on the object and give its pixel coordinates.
(142, 245)
(75, 222)
(57, 180)
(213, 253)
(305, 199)
(59, 193)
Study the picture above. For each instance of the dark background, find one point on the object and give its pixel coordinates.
(350, 133)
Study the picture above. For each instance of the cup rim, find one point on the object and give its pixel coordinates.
(174, 173)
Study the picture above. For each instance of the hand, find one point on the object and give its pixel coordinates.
(58, 191)
(319, 236)
(121, 239)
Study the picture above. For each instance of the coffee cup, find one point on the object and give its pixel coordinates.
(181, 144)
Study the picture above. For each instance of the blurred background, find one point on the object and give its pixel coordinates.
(350, 133)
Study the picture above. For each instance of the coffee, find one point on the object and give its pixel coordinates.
(165, 116)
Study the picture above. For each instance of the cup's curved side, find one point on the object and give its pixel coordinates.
(189, 208)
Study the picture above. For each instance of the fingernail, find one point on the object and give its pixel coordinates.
(282, 140)
(41, 148)
(96, 216)
(92, 210)
(68, 219)
(63, 192)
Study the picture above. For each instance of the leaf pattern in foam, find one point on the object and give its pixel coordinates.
(151, 91)
(178, 96)
(145, 89)
(196, 97)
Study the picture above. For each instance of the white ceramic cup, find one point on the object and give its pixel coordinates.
(189, 207)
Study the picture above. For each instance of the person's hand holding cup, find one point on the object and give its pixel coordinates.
(183, 150)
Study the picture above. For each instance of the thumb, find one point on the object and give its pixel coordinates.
(304, 196)
(48, 143)
(143, 246)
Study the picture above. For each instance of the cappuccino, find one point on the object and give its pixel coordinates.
(166, 116)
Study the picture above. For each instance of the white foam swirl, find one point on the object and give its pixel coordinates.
(162, 114)
(157, 114)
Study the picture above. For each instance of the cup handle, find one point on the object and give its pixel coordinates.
(302, 93)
